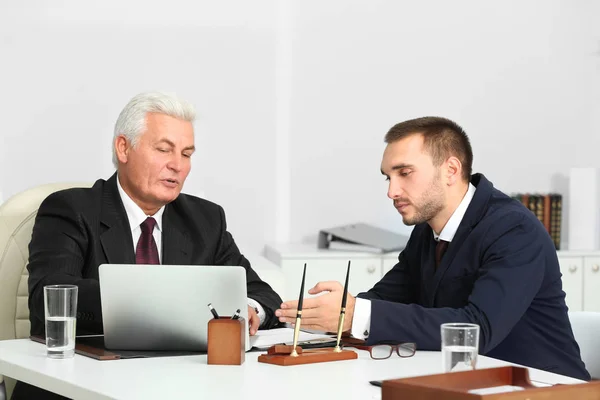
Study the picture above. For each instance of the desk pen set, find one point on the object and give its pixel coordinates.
(294, 355)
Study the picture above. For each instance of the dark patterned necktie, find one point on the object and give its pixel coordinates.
(440, 249)
(146, 251)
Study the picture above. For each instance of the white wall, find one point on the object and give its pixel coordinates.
(294, 98)
(516, 74)
(68, 68)
(595, 28)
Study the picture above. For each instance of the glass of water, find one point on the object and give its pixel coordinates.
(60, 306)
(460, 345)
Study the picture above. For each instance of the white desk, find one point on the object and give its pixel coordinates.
(191, 378)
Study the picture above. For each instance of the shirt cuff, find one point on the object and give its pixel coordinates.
(361, 321)
(260, 310)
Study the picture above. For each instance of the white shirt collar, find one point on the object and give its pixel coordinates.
(451, 226)
(135, 214)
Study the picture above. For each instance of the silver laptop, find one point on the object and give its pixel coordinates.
(165, 307)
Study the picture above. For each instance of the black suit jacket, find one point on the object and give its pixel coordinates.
(76, 230)
(500, 271)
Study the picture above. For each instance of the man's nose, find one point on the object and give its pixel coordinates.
(394, 190)
(174, 164)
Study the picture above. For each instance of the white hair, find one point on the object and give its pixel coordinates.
(132, 120)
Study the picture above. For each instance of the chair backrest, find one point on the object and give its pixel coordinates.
(17, 216)
(586, 329)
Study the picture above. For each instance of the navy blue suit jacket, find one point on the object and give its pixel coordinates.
(500, 271)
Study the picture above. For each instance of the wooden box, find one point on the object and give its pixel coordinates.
(457, 386)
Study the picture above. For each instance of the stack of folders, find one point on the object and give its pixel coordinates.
(548, 209)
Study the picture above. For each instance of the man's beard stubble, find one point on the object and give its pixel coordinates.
(430, 203)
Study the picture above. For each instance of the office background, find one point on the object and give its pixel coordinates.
(294, 97)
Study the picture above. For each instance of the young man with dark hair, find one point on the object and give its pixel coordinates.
(474, 256)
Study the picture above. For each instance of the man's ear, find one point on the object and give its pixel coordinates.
(453, 170)
(122, 148)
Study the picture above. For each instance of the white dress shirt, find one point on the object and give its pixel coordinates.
(361, 322)
(136, 216)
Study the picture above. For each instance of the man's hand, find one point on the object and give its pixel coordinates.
(322, 312)
(253, 321)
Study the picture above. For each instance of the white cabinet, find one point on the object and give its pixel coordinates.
(572, 281)
(580, 271)
(591, 283)
(323, 265)
(364, 273)
(581, 279)
(388, 261)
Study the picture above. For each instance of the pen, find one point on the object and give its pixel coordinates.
(294, 353)
(237, 314)
(337, 348)
(213, 311)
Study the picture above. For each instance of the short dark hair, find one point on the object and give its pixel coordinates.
(442, 138)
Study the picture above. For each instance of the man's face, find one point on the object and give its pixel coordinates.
(415, 184)
(154, 171)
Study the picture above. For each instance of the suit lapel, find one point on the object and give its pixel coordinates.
(428, 261)
(446, 262)
(473, 215)
(176, 242)
(116, 238)
(428, 267)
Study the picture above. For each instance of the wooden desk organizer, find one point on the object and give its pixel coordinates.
(280, 355)
(456, 386)
(226, 341)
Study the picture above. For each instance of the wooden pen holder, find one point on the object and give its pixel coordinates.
(226, 341)
(280, 355)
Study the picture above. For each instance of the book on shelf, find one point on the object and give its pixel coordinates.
(548, 210)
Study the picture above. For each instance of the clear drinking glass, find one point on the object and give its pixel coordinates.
(60, 306)
(460, 345)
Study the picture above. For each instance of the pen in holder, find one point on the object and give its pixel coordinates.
(294, 355)
(226, 341)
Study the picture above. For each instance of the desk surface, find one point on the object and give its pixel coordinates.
(190, 377)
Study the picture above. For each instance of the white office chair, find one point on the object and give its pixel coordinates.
(17, 216)
(586, 329)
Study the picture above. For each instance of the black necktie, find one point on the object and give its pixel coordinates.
(440, 249)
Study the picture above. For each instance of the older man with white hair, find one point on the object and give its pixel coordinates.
(138, 215)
